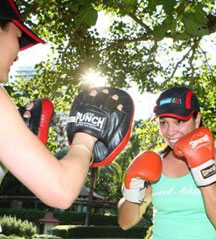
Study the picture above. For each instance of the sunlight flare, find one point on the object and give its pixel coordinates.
(95, 79)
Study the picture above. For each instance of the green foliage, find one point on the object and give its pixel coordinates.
(31, 215)
(41, 236)
(11, 186)
(149, 136)
(69, 218)
(13, 226)
(134, 49)
(98, 232)
(9, 237)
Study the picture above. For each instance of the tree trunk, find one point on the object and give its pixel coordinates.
(91, 190)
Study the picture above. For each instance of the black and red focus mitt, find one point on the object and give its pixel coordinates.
(100, 117)
(40, 117)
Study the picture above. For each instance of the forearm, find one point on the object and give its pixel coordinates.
(76, 163)
(56, 183)
(209, 196)
(129, 214)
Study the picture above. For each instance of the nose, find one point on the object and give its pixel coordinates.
(171, 131)
(16, 58)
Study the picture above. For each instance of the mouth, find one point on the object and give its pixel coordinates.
(172, 141)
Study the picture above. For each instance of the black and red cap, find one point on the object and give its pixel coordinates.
(9, 12)
(177, 102)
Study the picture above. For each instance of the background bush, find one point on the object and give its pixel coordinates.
(13, 226)
(98, 232)
(31, 215)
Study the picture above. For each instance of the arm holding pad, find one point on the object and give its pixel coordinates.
(38, 123)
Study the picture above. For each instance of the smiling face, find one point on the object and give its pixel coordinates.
(9, 47)
(172, 129)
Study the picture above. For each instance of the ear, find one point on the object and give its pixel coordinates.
(198, 120)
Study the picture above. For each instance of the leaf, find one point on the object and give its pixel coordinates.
(194, 27)
(152, 5)
(182, 36)
(88, 15)
(160, 31)
(126, 6)
(168, 5)
(91, 17)
(195, 21)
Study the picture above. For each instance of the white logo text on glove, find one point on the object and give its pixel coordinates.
(88, 118)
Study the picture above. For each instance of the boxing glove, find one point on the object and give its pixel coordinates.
(198, 149)
(145, 168)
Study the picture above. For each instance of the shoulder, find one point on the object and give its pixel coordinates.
(5, 101)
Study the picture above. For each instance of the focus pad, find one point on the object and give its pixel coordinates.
(41, 115)
(99, 116)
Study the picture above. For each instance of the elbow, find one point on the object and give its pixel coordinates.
(124, 224)
(64, 204)
(61, 201)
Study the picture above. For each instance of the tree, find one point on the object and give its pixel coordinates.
(155, 44)
(137, 40)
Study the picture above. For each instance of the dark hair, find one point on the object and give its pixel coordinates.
(165, 151)
(4, 24)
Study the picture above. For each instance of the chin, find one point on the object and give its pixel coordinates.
(3, 78)
(170, 145)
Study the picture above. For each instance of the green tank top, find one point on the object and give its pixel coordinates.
(179, 211)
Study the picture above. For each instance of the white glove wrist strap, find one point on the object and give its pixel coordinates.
(205, 174)
(134, 195)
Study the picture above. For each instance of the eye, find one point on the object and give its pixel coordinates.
(162, 122)
(179, 122)
(19, 40)
(19, 36)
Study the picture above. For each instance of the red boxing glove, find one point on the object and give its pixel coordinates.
(198, 149)
(145, 167)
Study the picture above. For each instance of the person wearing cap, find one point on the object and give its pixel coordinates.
(56, 183)
(180, 179)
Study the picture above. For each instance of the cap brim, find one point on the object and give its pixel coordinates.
(29, 38)
(182, 114)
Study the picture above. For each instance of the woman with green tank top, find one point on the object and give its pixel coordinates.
(180, 180)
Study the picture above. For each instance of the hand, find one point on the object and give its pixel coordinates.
(145, 168)
(198, 149)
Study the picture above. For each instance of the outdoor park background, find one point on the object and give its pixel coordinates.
(143, 47)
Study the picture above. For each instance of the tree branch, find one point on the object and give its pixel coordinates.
(141, 23)
(192, 49)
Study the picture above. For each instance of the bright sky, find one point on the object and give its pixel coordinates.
(143, 110)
